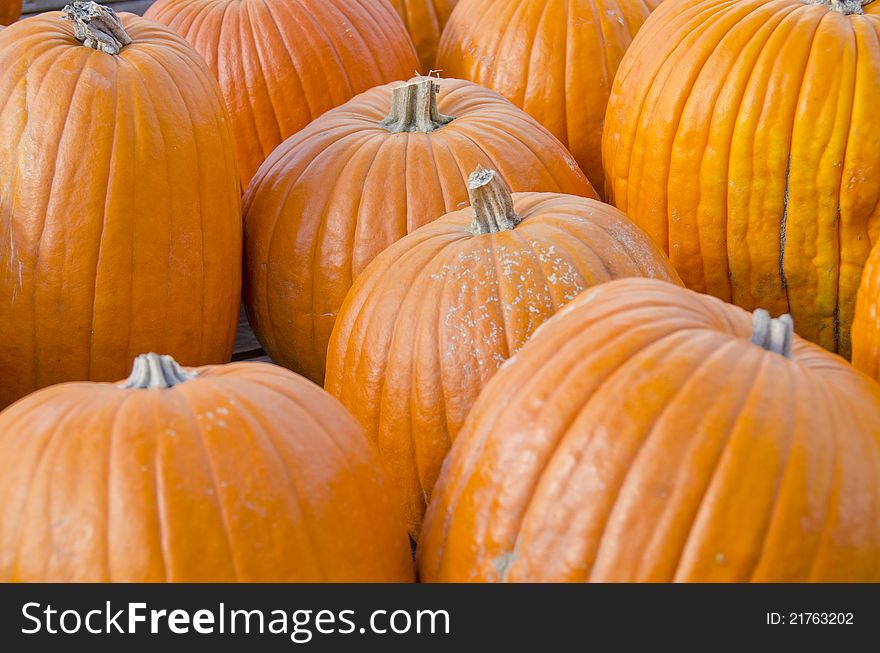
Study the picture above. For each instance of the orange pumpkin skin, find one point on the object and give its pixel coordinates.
(10, 10)
(246, 473)
(119, 197)
(432, 319)
(283, 63)
(866, 325)
(641, 436)
(425, 20)
(332, 197)
(750, 157)
(554, 58)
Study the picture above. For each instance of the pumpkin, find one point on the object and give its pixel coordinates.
(10, 10)
(866, 324)
(243, 472)
(283, 63)
(120, 218)
(554, 58)
(425, 20)
(332, 197)
(651, 433)
(431, 320)
(750, 156)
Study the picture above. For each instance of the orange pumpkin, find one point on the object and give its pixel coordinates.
(425, 20)
(120, 218)
(332, 197)
(866, 325)
(10, 10)
(432, 319)
(554, 58)
(282, 63)
(750, 156)
(649, 433)
(242, 472)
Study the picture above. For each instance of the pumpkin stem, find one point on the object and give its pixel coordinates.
(96, 26)
(845, 7)
(414, 108)
(155, 371)
(491, 202)
(774, 335)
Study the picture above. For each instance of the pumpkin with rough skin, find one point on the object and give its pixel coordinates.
(283, 63)
(433, 318)
(741, 136)
(10, 10)
(242, 472)
(650, 433)
(356, 180)
(425, 20)
(120, 208)
(554, 58)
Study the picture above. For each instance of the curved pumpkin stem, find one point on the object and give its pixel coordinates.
(845, 7)
(414, 108)
(492, 203)
(155, 371)
(96, 26)
(774, 335)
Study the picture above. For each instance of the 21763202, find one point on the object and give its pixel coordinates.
(810, 618)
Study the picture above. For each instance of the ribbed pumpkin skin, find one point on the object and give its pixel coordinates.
(10, 10)
(866, 325)
(640, 436)
(120, 218)
(247, 473)
(750, 154)
(334, 196)
(425, 20)
(283, 63)
(554, 58)
(433, 318)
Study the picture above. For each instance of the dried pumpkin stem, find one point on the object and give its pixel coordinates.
(414, 108)
(155, 371)
(846, 7)
(774, 335)
(96, 26)
(492, 203)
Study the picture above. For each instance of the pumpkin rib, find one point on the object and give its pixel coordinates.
(161, 517)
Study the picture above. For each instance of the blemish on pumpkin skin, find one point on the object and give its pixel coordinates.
(503, 563)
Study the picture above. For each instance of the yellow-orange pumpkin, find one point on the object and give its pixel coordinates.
(242, 472)
(740, 136)
(332, 197)
(431, 320)
(642, 435)
(425, 20)
(866, 325)
(282, 63)
(10, 10)
(120, 218)
(554, 58)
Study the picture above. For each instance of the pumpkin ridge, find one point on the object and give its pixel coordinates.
(158, 486)
(250, 42)
(295, 64)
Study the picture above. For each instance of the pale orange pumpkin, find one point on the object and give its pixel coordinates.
(650, 433)
(242, 472)
(431, 320)
(335, 195)
(120, 218)
(283, 63)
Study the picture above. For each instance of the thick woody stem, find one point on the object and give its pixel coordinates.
(846, 7)
(155, 371)
(96, 26)
(774, 335)
(414, 108)
(491, 202)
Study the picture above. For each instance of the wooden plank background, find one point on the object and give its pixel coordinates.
(246, 345)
